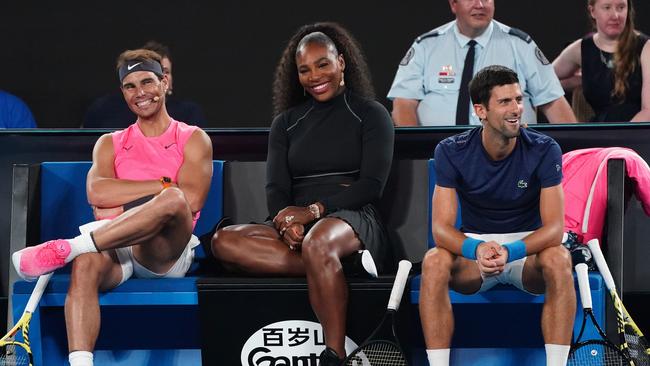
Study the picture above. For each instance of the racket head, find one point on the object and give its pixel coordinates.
(381, 348)
(13, 353)
(15, 349)
(379, 352)
(597, 353)
(637, 347)
(621, 323)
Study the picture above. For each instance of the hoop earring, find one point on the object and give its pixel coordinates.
(342, 83)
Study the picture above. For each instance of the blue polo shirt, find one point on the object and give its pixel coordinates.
(498, 196)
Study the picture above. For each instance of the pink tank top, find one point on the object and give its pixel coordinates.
(138, 157)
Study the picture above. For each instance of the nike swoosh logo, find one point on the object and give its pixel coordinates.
(129, 67)
(170, 145)
(127, 148)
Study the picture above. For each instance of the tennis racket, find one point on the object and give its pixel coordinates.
(17, 352)
(382, 347)
(629, 333)
(596, 352)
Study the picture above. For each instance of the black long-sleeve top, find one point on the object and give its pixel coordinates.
(337, 152)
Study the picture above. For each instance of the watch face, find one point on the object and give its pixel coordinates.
(166, 179)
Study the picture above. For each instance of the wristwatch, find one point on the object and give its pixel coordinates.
(313, 208)
(166, 182)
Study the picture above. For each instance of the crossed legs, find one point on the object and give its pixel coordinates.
(161, 227)
(259, 250)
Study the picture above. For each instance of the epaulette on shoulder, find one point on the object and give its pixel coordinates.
(433, 33)
(520, 34)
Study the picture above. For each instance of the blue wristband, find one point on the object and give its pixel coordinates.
(516, 250)
(469, 247)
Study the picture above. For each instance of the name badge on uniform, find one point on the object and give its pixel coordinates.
(446, 75)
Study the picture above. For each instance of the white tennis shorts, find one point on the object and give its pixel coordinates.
(130, 265)
(512, 272)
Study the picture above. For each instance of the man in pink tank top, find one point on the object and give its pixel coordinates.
(147, 185)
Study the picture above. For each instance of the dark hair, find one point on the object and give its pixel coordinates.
(480, 88)
(158, 48)
(625, 60)
(287, 91)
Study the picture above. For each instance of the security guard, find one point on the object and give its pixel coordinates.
(426, 87)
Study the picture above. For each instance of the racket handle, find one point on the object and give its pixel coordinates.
(601, 264)
(401, 277)
(35, 297)
(583, 285)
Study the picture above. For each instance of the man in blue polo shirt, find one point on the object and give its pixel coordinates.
(430, 86)
(508, 179)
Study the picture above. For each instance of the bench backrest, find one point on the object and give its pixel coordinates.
(64, 206)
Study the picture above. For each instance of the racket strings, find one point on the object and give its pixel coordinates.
(596, 355)
(378, 354)
(637, 349)
(13, 356)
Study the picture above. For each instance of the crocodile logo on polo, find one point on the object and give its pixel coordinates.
(522, 184)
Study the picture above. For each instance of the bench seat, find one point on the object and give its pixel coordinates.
(144, 321)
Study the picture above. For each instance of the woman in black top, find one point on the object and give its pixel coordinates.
(614, 62)
(330, 151)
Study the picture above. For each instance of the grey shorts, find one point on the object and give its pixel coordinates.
(130, 266)
(512, 272)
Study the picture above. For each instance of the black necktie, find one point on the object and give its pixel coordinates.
(462, 107)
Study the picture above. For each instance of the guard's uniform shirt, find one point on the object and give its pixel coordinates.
(432, 68)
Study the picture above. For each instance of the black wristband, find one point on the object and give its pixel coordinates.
(137, 202)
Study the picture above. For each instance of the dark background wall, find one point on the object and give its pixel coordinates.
(59, 56)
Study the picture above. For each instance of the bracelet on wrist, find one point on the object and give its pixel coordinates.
(315, 211)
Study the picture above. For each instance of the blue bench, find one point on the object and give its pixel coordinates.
(497, 341)
(136, 316)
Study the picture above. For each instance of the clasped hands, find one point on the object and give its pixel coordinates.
(290, 223)
(491, 258)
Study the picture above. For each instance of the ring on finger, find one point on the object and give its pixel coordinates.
(288, 219)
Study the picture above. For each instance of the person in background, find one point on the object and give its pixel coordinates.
(430, 86)
(14, 113)
(612, 64)
(110, 111)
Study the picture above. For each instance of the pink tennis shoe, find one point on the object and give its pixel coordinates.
(32, 262)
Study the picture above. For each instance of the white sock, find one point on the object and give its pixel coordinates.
(438, 357)
(556, 354)
(80, 245)
(80, 358)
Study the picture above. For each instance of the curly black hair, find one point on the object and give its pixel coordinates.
(287, 90)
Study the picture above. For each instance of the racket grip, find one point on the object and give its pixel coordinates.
(35, 297)
(401, 277)
(583, 285)
(597, 253)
